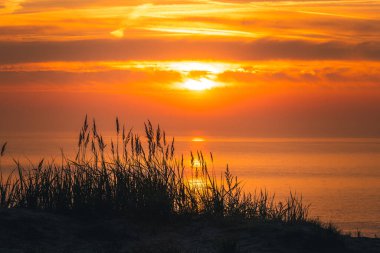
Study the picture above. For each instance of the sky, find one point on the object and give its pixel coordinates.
(198, 67)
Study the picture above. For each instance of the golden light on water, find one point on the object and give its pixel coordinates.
(198, 139)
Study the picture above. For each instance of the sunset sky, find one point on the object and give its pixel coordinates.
(201, 67)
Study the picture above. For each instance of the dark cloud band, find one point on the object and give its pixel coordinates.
(150, 49)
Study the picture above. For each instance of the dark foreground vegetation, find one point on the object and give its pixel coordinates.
(134, 196)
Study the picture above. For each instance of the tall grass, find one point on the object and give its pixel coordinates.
(131, 177)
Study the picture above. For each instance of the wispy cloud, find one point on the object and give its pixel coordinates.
(121, 77)
(237, 19)
(10, 6)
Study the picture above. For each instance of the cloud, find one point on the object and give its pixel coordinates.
(165, 76)
(119, 33)
(42, 5)
(156, 49)
(317, 75)
(102, 81)
(236, 20)
(10, 6)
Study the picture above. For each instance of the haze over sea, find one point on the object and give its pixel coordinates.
(339, 177)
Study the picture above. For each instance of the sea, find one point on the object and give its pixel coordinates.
(338, 177)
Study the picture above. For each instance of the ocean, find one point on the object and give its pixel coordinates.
(340, 178)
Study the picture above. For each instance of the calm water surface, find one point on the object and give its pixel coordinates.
(339, 177)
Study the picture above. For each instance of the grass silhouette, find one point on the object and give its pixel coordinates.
(137, 187)
(138, 179)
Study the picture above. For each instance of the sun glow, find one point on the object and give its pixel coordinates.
(210, 67)
(197, 183)
(199, 84)
(118, 33)
(198, 139)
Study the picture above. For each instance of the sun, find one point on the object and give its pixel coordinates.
(199, 76)
(199, 84)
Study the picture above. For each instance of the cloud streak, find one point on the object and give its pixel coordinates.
(151, 49)
(166, 76)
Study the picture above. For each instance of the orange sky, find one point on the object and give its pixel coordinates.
(232, 67)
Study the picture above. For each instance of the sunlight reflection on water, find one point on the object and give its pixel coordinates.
(340, 178)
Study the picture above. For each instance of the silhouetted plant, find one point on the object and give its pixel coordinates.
(136, 178)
